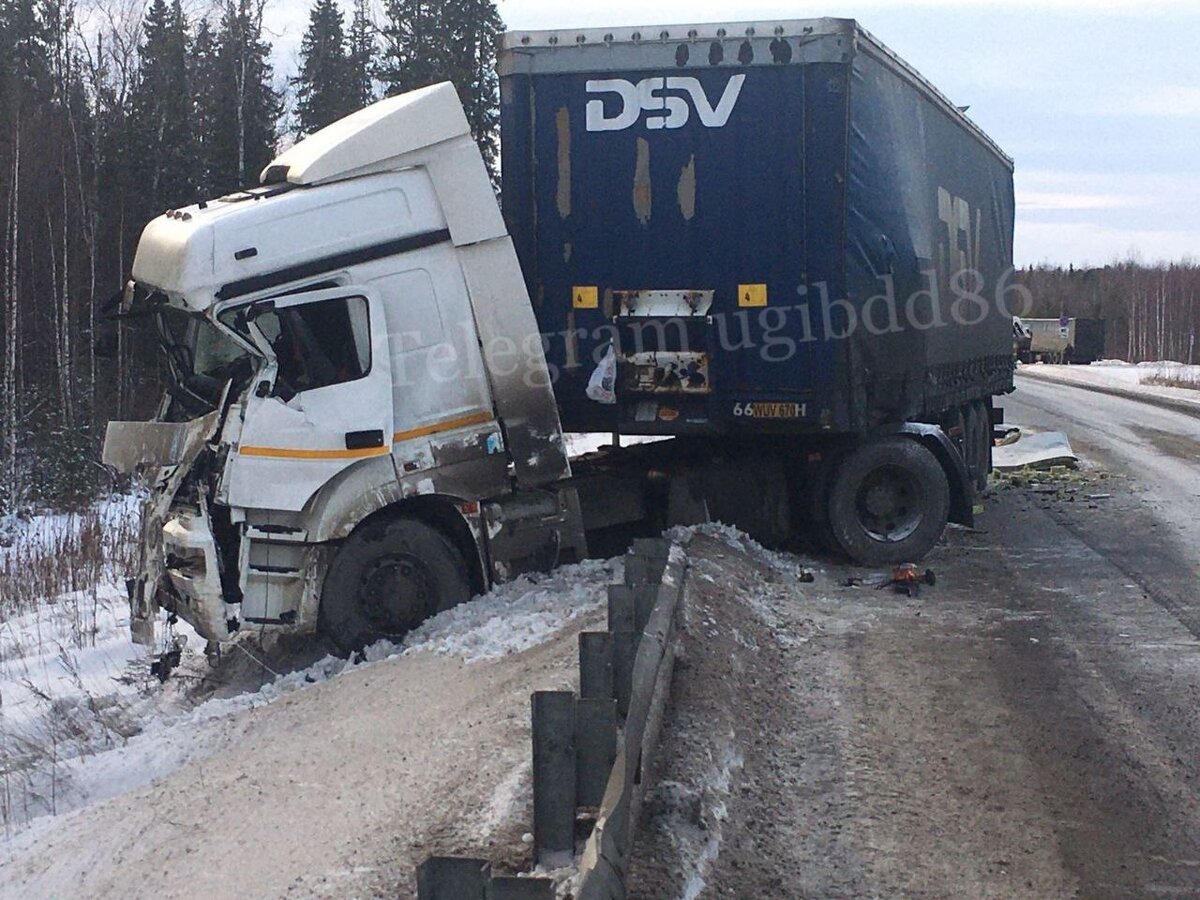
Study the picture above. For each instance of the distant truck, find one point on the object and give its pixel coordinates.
(767, 241)
(1022, 338)
(1064, 340)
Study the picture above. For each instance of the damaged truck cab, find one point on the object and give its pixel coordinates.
(334, 339)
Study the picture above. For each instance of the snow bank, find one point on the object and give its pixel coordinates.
(699, 847)
(82, 719)
(46, 529)
(518, 615)
(1138, 377)
(787, 564)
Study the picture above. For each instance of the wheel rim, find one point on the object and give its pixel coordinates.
(398, 594)
(889, 503)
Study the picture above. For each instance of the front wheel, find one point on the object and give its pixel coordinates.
(889, 502)
(388, 578)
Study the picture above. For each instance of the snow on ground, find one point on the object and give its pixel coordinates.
(82, 719)
(64, 698)
(785, 564)
(697, 865)
(580, 443)
(71, 682)
(517, 615)
(1133, 377)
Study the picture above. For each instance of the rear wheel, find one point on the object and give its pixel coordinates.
(816, 503)
(387, 579)
(889, 502)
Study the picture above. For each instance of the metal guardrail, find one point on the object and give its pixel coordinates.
(582, 756)
(653, 604)
(458, 878)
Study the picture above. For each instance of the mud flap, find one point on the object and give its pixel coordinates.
(963, 496)
(142, 613)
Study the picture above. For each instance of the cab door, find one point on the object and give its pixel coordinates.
(322, 403)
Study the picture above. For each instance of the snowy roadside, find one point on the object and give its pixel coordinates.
(82, 720)
(1122, 376)
(733, 634)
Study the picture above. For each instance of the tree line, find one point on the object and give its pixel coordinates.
(113, 111)
(1151, 312)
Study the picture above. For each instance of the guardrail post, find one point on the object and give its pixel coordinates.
(554, 777)
(520, 889)
(621, 614)
(646, 560)
(624, 651)
(645, 598)
(641, 569)
(452, 878)
(595, 748)
(595, 665)
(659, 548)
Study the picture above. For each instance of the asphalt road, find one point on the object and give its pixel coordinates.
(1158, 447)
(1030, 727)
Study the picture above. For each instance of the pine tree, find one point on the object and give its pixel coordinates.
(427, 41)
(478, 27)
(325, 89)
(162, 118)
(246, 106)
(202, 76)
(417, 45)
(24, 41)
(362, 52)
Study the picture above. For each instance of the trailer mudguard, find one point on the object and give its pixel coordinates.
(962, 489)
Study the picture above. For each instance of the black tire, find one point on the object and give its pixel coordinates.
(816, 505)
(387, 579)
(889, 502)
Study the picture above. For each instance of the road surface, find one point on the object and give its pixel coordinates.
(1030, 727)
(1159, 447)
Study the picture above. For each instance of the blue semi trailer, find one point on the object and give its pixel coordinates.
(775, 241)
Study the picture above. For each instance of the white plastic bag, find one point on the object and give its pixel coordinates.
(601, 385)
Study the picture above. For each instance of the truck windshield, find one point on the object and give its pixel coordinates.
(316, 344)
(201, 359)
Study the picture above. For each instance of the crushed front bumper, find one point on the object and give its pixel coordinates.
(192, 571)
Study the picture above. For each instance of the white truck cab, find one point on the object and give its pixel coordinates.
(360, 430)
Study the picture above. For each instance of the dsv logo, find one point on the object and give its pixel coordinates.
(663, 110)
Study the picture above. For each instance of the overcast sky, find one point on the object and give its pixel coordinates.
(1098, 102)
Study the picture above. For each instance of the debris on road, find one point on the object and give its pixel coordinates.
(907, 579)
(1035, 451)
(1011, 436)
(904, 579)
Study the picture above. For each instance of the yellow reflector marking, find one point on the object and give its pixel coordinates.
(289, 453)
(752, 295)
(479, 418)
(585, 297)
